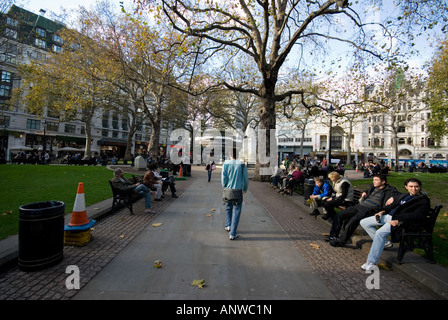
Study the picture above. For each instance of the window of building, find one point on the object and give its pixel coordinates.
(124, 135)
(40, 43)
(106, 119)
(4, 121)
(401, 129)
(32, 124)
(58, 39)
(115, 121)
(124, 124)
(11, 22)
(336, 142)
(37, 55)
(10, 33)
(41, 32)
(57, 49)
(285, 139)
(69, 128)
(53, 126)
(6, 76)
(5, 90)
(105, 133)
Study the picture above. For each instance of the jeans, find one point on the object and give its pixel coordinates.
(233, 212)
(159, 192)
(144, 191)
(209, 175)
(379, 236)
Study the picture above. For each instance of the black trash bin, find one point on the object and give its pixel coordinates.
(41, 235)
(187, 170)
(308, 188)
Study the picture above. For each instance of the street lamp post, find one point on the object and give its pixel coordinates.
(330, 111)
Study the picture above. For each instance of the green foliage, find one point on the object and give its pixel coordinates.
(438, 93)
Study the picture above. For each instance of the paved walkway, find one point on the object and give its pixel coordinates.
(279, 254)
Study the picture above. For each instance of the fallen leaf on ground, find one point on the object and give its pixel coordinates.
(157, 264)
(122, 236)
(209, 215)
(383, 266)
(199, 283)
(157, 224)
(325, 234)
(315, 246)
(212, 210)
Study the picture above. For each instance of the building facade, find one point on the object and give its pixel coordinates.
(24, 37)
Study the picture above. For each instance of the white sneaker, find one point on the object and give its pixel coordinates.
(368, 266)
(227, 228)
(388, 244)
(233, 237)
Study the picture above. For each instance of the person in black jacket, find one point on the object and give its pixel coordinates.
(412, 206)
(373, 200)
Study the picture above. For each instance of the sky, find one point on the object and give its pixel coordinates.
(56, 6)
(53, 7)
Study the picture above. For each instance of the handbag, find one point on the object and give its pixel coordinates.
(232, 195)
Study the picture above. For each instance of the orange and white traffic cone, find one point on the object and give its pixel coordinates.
(77, 232)
(356, 168)
(79, 215)
(181, 174)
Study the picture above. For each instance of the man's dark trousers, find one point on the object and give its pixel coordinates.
(353, 215)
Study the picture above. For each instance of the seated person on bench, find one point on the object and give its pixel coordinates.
(121, 183)
(322, 190)
(165, 182)
(344, 195)
(410, 206)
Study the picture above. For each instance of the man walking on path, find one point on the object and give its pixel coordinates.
(235, 181)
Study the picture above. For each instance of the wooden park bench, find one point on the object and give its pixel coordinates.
(296, 184)
(356, 197)
(123, 198)
(419, 236)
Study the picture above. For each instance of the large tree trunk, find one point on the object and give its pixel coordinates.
(153, 146)
(267, 121)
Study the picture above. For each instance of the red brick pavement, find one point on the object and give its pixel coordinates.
(340, 268)
(111, 234)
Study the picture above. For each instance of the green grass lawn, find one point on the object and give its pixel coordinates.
(24, 184)
(435, 185)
